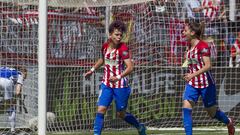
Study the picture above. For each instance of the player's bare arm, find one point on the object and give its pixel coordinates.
(127, 71)
(98, 64)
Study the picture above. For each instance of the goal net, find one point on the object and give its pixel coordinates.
(76, 31)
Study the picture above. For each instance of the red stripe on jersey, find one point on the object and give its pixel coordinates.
(107, 75)
(200, 65)
(213, 13)
(119, 70)
(113, 57)
(193, 79)
(204, 2)
(199, 79)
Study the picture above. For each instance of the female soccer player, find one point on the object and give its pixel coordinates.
(117, 65)
(199, 80)
(10, 78)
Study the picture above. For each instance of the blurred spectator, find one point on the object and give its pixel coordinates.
(217, 27)
(194, 10)
(238, 10)
(215, 17)
(179, 9)
(222, 53)
(235, 52)
(213, 10)
(168, 8)
(159, 5)
(212, 46)
(162, 8)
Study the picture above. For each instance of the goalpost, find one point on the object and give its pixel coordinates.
(74, 33)
(42, 67)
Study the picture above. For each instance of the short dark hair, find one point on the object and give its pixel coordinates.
(117, 24)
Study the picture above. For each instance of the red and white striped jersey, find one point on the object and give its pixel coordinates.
(213, 11)
(195, 62)
(114, 64)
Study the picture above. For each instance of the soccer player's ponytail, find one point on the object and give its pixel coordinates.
(198, 28)
(202, 29)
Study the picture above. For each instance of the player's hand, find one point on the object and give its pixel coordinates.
(187, 77)
(88, 74)
(113, 79)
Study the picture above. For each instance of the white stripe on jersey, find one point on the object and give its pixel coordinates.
(112, 64)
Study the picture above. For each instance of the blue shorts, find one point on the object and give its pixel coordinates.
(120, 95)
(208, 95)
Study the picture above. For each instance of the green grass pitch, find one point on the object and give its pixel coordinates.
(151, 132)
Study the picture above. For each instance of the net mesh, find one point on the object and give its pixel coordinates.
(76, 32)
(19, 45)
(77, 3)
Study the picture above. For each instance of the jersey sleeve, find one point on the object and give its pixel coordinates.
(103, 49)
(204, 49)
(124, 52)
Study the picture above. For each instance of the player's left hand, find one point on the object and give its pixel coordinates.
(113, 79)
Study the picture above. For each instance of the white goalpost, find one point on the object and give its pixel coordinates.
(59, 40)
(42, 68)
